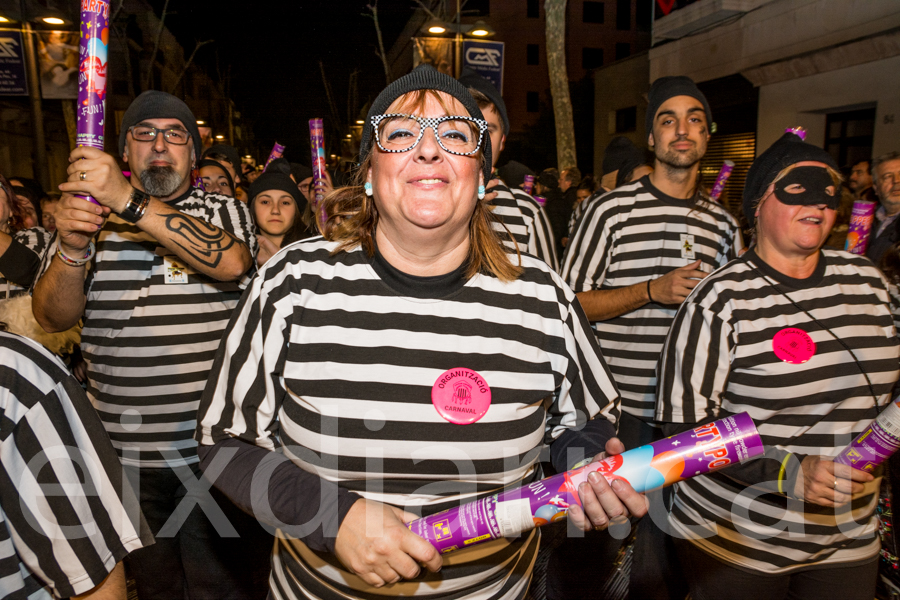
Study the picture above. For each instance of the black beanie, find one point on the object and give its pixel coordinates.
(208, 162)
(621, 152)
(473, 80)
(300, 172)
(423, 77)
(154, 104)
(549, 178)
(275, 180)
(788, 150)
(279, 165)
(513, 174)
(669, 87)
(229, 152)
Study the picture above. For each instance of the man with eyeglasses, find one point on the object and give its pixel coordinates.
(155, 269)
(886, 228)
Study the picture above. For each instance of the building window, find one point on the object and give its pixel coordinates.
(591, 58)
(533, 9)
(848, 136)
(623, 50)
(623, 15)
(643, 13)
(532, 102)
(626, 119)
(532, 54)
(592, 12)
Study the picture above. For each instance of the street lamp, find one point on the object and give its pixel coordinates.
(478, 29)
(53, 21)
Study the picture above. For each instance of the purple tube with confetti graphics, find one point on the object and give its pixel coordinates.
(92, 56)
(528, 184)
(800, 132)
(721, 180)
(860, 229)
(876, 444)
(317, 157)
(277, 152)
(704, 449)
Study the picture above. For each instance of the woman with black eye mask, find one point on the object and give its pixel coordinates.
(803, 339)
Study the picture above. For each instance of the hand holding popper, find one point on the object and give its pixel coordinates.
(702, 450)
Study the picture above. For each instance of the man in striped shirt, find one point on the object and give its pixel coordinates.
(523, 223)
(639, 251)
(67, 515)
(156, 295)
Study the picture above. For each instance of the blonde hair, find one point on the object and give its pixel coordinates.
(348, 216)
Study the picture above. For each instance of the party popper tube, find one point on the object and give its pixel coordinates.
(704, 449)
(719, 186)
(860, 229)
(800, 132)
(528, 184)
(277, 152)
(92, 55)
(317, 156)
(876, 444)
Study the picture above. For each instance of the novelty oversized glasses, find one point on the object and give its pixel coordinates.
(402, 133)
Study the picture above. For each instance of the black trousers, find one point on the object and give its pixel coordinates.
(712, 579)
(196, 555)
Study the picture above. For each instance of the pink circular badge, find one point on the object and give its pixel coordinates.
(461, 396)
(793, 346)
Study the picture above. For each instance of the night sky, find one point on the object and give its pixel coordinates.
(274, 49)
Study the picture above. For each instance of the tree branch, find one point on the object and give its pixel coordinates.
(159, 30)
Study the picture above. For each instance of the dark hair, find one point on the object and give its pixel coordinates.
(893, 155)
(588, 183)
(868, 162)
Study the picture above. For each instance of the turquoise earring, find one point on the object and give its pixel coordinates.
(481, 192)
(368, 188)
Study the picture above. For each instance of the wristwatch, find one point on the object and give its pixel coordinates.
(137, 204)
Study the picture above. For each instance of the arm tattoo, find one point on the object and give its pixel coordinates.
(205, 242)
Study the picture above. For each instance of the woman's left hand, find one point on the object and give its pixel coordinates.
(267, 250)
(604, 503)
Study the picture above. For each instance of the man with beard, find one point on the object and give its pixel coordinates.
(636, 255)
(155, 269)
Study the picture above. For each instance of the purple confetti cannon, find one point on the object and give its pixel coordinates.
(704, 449)
(92, 55)
(800, 132)
(876, 444)
(277, 152)
(860, 230)
(528, 184)
(721, 180)
(317, 156)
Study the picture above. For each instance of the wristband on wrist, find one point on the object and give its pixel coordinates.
(648, 290)
(781, 473)
(137, 205)
(76, 262)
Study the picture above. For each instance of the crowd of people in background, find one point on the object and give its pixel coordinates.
(248, 355)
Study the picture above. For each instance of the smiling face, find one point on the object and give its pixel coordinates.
(426, 188)
(275, 212)
(794, 230)
(680, 132)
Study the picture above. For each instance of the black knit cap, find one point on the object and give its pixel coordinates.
(154, 104)
(300, 172)
(208, 162)
(669, 87)
(513, 174)
(275, 180)
(621, 153)
(229, 152)
(423, 77)
(473, 80)
(788, 150)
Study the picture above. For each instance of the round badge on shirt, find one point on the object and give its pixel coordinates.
(461, 396)
(793, 346)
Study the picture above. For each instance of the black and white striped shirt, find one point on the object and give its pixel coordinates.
(65, 517)
(628, 236)
(719, 359)
(35, 239)
(149, 345)
(334, 357)
(526, 221)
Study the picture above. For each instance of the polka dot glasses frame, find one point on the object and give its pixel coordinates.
(401, 133)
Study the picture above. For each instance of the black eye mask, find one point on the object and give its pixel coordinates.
(815, 180)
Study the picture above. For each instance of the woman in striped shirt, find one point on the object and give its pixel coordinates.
(402, 365)
(805, 341)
